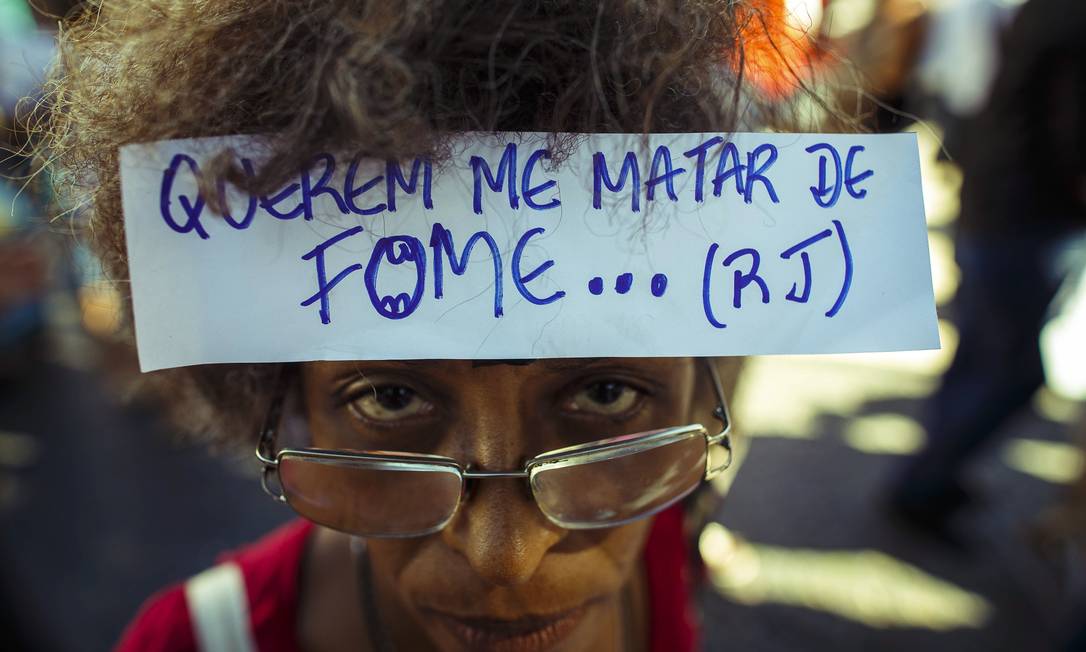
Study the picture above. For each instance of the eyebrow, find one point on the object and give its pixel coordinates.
(558, 364)
(476, 364)
(555, 364)
(562, 364)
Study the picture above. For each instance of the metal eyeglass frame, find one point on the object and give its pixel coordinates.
(595, 451)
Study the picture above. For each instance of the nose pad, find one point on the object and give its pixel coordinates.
(500, 531)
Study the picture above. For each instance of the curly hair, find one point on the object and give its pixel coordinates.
(388, 80)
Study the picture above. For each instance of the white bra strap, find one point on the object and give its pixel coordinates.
(219, 607)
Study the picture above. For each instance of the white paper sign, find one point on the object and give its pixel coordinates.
(681, 244)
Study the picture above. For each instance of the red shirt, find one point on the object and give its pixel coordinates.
(270, 568)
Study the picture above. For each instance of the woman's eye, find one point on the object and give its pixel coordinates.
(606, 397)
(388, 403)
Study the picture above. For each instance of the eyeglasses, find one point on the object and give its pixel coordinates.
(599, 484)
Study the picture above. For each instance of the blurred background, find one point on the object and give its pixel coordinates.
(931, 500)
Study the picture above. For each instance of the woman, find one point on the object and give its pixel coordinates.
(485, 561)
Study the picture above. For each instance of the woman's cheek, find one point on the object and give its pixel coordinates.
(624, 546)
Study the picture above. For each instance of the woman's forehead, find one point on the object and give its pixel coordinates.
(517, 367)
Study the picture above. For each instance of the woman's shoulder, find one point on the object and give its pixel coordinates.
(260, 581)
(162, 625)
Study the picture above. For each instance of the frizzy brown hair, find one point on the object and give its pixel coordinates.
(389, 80)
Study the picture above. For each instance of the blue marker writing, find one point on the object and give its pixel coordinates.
(742, 280)
(846, 284)
(805, 259)
(395, 179)
(311, 190)
(396, 250)
(728, 167)
(826, 194)
(520, 281)
(528, 191)
(667, 177)
(707, 284)
(756, 172)
(192, 210)
(601, 177)
(250, 209)
(441, 241)
(323, 285)
(507, 176)
(700, 153)
(352, 192)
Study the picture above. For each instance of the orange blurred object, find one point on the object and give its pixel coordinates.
(780, 49)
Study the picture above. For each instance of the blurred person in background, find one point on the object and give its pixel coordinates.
(1023, 200)
(25, 52)
(881, 59)
(29, 258)
(958, 62)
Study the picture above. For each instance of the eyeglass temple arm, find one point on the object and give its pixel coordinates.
(269, 429)
(721, 410)
(722, 438)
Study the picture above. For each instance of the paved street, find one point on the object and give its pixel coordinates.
(806, 558)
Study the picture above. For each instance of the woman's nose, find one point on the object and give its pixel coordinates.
(501, 533)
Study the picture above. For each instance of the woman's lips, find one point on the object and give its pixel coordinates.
(531, 634)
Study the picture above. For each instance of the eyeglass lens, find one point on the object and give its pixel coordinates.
(367, 500)
(620, 489)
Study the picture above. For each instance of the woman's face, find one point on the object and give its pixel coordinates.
(500, 559)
